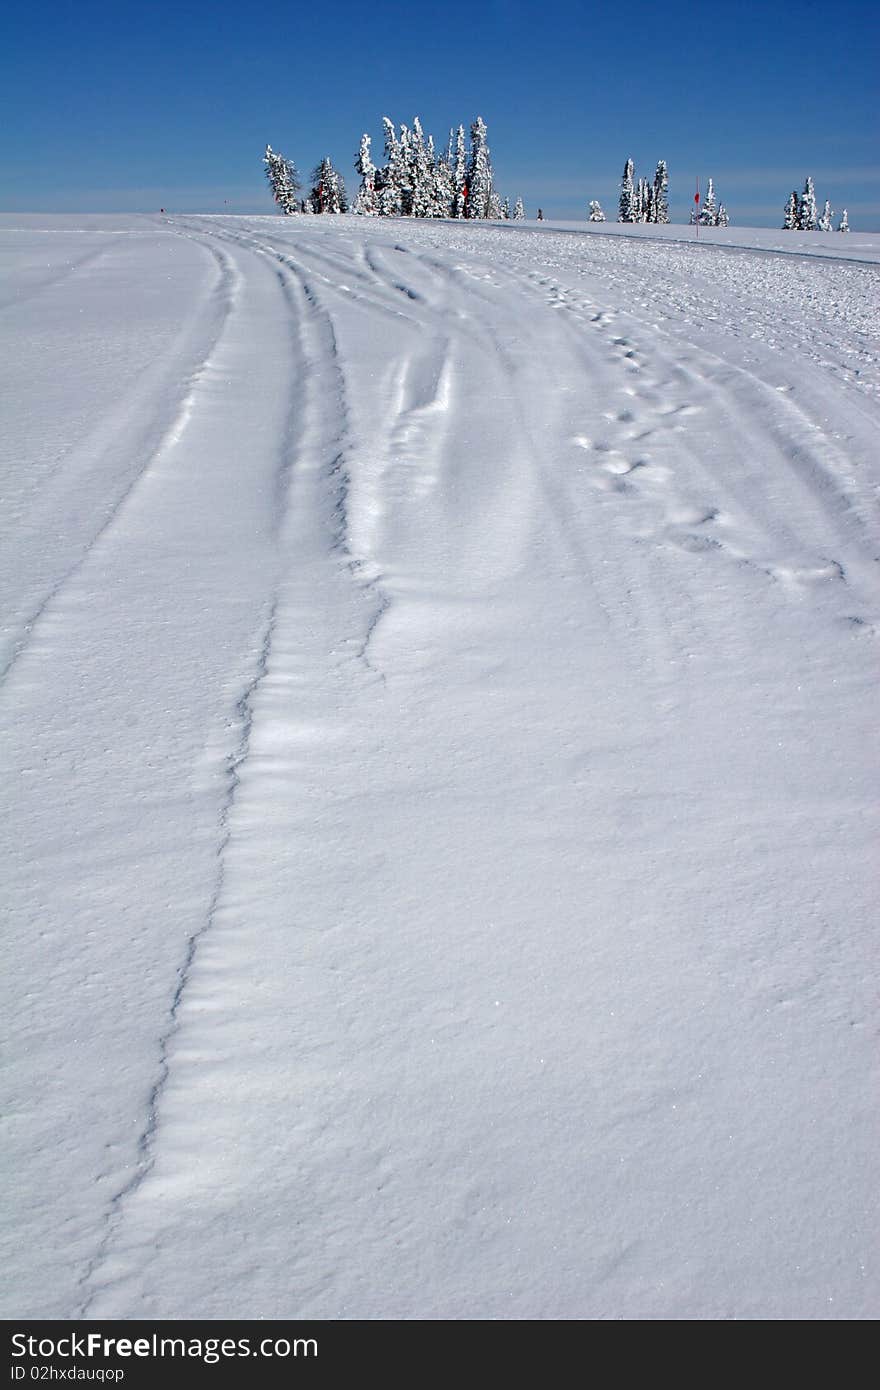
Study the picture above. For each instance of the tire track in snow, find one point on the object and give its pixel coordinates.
(323, 368)
(317, 395)
(90, 1283)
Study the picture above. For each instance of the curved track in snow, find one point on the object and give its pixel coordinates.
(443, 785)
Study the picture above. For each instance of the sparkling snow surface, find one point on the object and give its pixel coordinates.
(440, 770)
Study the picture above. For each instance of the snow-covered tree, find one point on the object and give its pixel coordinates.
(404, 172)
(283, 180)
(723, 219)
(437, 200)
(495, 206)
(643, 201)
(843, 225)
(505, 210)
(479, 179)
(661, 193)
(519, 211)
(596, 213)
(709, 210)
(460, 175)
(366, 203)
(388, 179)
(421, 165)
(809, 220)
(825, 221)
(792, 213)
(444, 187)
(328, 189)
(627, 205)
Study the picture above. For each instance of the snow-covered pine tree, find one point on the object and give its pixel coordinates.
(328, 189)
(479, 179)
(596, 213)
(495, 206)
(283, 180)
(661, 193)
(627, 205)
(519, 211)
(792, 213)
(809, 220)
(389, 195)
(843, 225)
(366, 203)
(643, 201)
(460, 175)
(444, 188)
(505, 210)
(404, 172)
(825, 221)
(421, 172)
(435, 200)
(723, 219)
(709, 210)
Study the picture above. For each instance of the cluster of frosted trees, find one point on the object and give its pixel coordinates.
(712, 213)
(326, 192)
(641, 201)
(415, 181)
(802, 213)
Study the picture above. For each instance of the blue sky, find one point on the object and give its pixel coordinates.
(107, 107)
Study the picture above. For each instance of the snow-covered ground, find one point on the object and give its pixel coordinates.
(440, 770)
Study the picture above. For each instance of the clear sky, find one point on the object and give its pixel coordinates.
(110, 106)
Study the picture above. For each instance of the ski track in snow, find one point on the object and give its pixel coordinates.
(482, 445)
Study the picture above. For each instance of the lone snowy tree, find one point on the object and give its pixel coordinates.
(723, 219)
(328, 189)
(792, 213)
(627, 205)
(843, 225)
(283, 180)
(808, 221)
(825, 221)
(596, 213)
(519, 211)
(366, 203)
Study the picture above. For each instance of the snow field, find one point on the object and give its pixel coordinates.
(442, 774)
